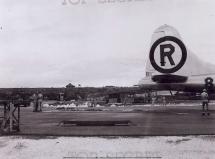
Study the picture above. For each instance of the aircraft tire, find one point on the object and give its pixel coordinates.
(208, 80)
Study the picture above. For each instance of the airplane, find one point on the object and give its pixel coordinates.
(171, 66)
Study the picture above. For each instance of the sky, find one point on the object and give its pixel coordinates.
(47, 43)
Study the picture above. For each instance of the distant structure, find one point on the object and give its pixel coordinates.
(70, 85)
(110, 86)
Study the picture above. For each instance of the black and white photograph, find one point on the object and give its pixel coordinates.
(107, 79)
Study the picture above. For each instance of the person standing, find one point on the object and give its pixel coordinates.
(39, 101)
(204, 97)
(35, 105)
(153, 100)
(164, 101)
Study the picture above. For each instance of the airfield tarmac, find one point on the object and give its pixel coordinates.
(155, 147)
(145, 120)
